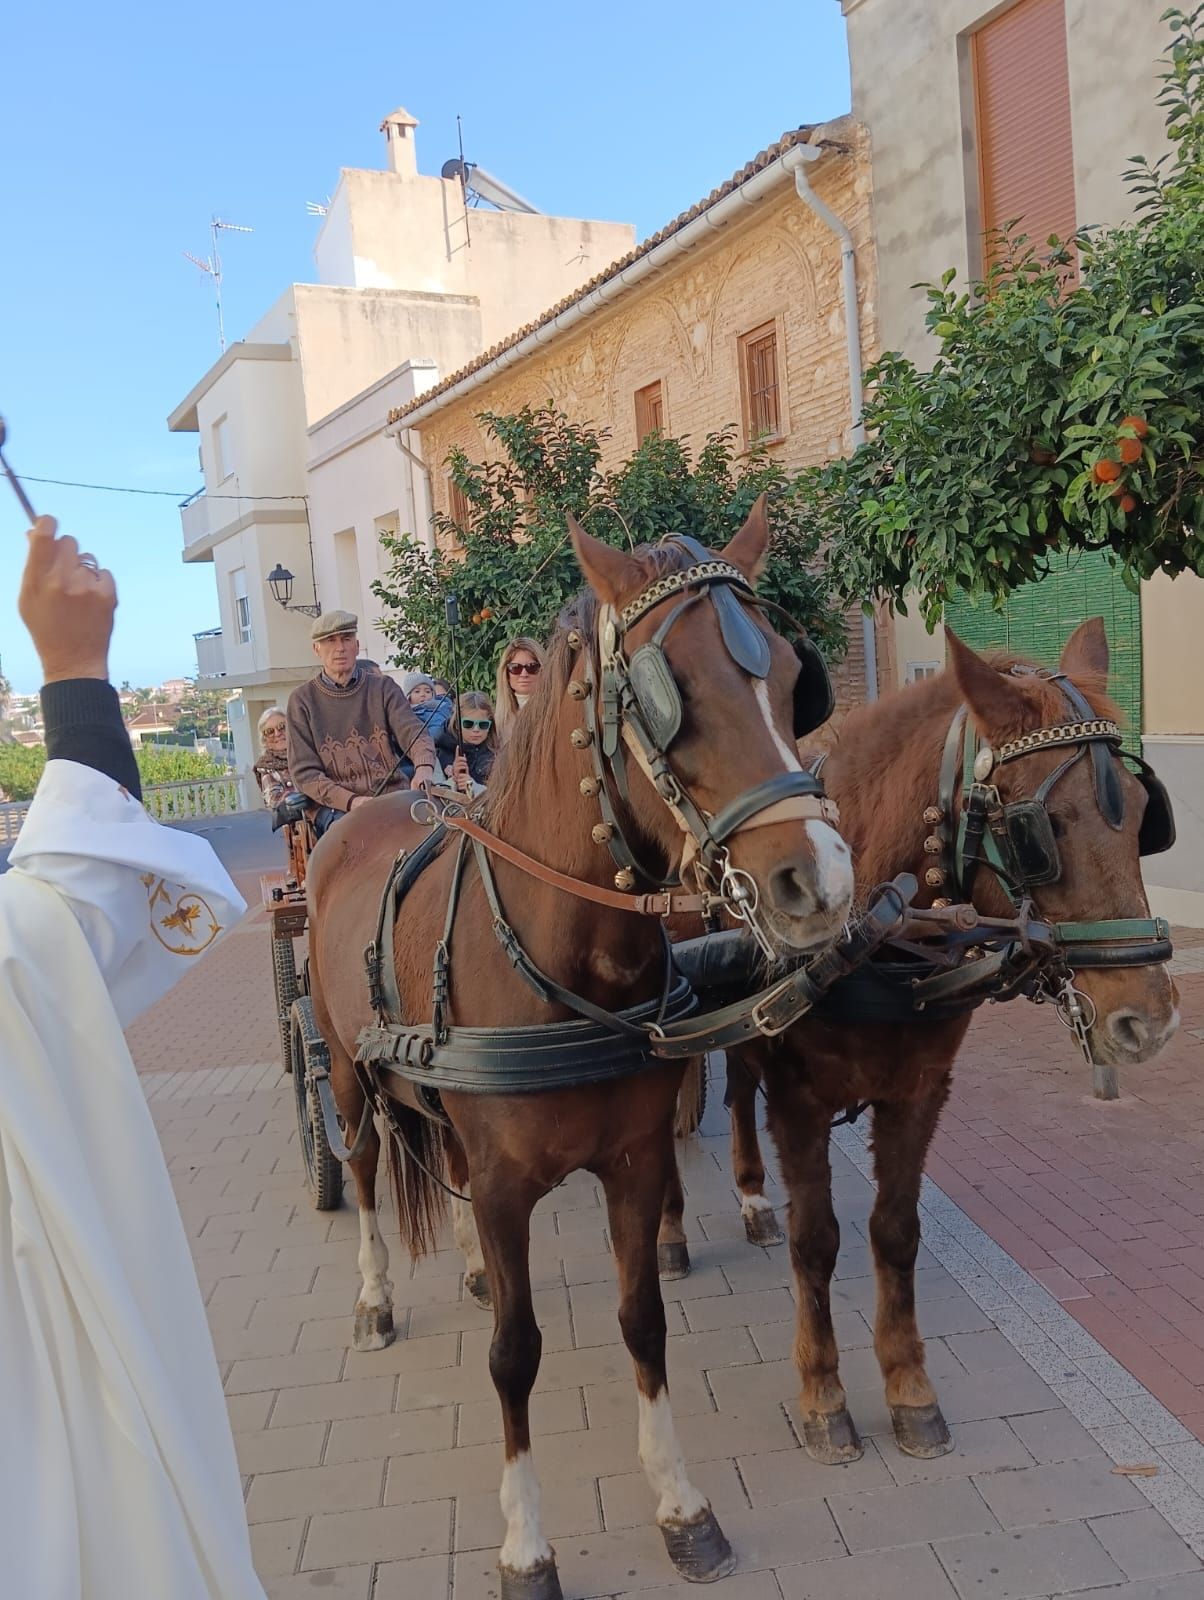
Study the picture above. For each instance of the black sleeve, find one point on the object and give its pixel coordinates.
(82, 718)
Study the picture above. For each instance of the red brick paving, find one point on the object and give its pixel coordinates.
(1102, 1203)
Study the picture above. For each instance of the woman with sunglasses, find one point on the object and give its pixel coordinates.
(517, 679)
(271, 770)
(474, 732)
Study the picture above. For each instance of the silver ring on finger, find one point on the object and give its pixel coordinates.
(90, 562)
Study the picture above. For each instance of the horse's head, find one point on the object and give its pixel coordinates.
(693, 698)
(1083, 865)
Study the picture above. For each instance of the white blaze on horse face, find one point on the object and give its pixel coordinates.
(524, 1546)
(377, 1291)
(833, 859)
(660, 1456)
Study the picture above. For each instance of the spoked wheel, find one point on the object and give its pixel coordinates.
(284, 975)
(323, 1173)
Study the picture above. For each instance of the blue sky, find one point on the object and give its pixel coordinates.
(125, 127)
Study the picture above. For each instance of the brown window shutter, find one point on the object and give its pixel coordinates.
(458, 508)
(759, 379)
(649, 411)
(1022, 94)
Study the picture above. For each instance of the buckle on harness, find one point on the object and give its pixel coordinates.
(780, 1009)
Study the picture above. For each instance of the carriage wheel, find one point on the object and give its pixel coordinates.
(284, 975)
(323, 1173)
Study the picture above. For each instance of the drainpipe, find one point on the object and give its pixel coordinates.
(797, 161)
(416, 461)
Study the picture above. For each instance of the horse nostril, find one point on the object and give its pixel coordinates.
(1131, 1031)
(792, 892)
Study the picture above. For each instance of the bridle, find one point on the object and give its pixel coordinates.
(633, 709)
(972, 828)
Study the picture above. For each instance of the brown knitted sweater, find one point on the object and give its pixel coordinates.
(345, 742)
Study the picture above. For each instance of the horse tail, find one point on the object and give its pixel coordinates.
(416, 1165)
(688, 1117)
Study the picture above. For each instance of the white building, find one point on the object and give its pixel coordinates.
(299, 473)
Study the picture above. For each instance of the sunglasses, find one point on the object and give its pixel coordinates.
(272, 731)
(528, 667)
(470, 722)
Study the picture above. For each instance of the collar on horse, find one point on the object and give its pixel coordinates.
(973, 828)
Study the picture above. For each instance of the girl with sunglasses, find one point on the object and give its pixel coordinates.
(518, 675)
(473, 729)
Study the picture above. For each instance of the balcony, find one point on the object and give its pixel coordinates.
(210, 654)
(199, 518)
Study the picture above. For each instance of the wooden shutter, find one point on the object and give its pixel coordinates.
(458, 508)
(1039, 618)
(1022, 104)
(649, 411)
(759, 381)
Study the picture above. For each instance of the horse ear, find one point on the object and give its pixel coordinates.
(749, 548)
(994, 699)
(609, 573)
(1085, 654)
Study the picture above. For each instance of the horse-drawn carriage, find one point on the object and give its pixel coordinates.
(532, 1020)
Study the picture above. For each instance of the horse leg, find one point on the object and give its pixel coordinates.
(672, 1250)
(526, 1562)
(902, 1132)
(761, 1225)
(800, 1132)
(374, 1308)
(635, 1191)
(464, 1224)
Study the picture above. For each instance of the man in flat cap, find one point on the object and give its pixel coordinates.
(352, 734)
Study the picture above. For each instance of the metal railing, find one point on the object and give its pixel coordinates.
(166, 802)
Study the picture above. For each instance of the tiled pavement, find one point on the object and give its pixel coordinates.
(376, 1475)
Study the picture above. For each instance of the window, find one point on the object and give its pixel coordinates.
(915, 670)
(759, 383)
(458, 508)
(242, 606)
(223, 464)
(1022, 115)
(649, 411)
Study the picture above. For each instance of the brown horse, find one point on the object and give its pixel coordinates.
(734, 732)
(884, 775)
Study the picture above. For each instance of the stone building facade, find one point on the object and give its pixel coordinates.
(673, 348)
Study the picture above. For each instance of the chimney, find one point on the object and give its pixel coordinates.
(398, 129)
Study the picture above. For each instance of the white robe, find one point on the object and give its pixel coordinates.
(118, 1479)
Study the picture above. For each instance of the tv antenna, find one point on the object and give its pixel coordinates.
(213, 265)
(318, 208)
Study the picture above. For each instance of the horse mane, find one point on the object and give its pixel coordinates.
(889, 751)
(529, 752)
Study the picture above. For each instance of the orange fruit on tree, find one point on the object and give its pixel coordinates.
(1128, 502)
(476, 619)
(1138, 424)
(486, 612)
(1106, 470)
(1129, 450)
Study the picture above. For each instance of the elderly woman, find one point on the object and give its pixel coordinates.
(517, 678)
(271, 770)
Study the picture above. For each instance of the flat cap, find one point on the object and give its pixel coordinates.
(332, 622)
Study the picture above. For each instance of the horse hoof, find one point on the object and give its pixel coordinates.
(673, 1260)
(477, 1284)
(763, 1227)
(832, 1438)
(373, 1328)
(698, 1548)
(541, 1582)
(921, 1431)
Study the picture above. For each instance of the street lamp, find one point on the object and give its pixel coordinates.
(280, 582)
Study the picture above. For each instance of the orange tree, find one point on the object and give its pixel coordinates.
(510, 562)
(1064, 409)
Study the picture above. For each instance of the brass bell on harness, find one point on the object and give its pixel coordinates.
(602, 833)
(590, 787)
(581, 738)
(932, 845)
(624, 878)
(933, 815)
(934, 877)
(578, 689)
(573, 639)
(941, 904)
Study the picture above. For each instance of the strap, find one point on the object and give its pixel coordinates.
(702, 572)
(665, 904)
(789, 795)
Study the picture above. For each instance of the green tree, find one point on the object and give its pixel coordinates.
(511, 563)
(1065, 407)
(21, 767)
